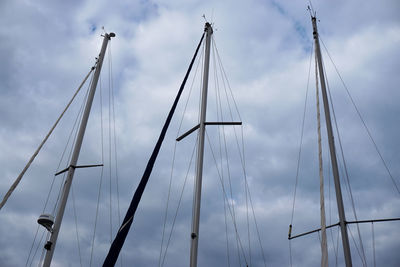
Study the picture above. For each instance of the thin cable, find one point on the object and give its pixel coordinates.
(64, 175)
(52, 183)
(33, 244)
(346, 172)
(114, 133)
(109, 158)
(42, 255)
(223, 187)
(301, 136)
(241, 155)
(226, 78)
(335, 250)
(16, 182)
(101, 172)
(373, 242)
(77, 119)
(355, 244)
(299, 154)
(173, 160)
(226, 147)
(220, 117)
(37, 247)
(362, 120)
(337, 247)
(76, 224)
(179, 203)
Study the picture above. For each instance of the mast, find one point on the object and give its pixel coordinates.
(339, 199)
(51, 244)
(200, 152)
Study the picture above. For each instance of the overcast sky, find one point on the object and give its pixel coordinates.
(47, 48)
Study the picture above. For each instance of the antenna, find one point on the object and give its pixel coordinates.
(311, 10)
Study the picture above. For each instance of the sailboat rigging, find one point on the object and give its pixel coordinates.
(343, 223)
(51, 243)
(201, 127)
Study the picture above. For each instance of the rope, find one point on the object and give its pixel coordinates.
(362, 120)
(16, 182)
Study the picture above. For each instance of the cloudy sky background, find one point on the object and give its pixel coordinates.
(47, 48)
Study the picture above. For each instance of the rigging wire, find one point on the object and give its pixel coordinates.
(111, 77)
(42, 255)
(229, 207)
(77, 120)
(59, 164)
(109, 156)
(299, 154)
(179, 203)
(101, 171)
(362, 120)
(220, 117)
(335, 247)
(373, 242)
(226, 147)
(359, 250)
(76, 224)
(173, 161)
(114, 133)
(16, 182)
(241, 155)
(363, 258)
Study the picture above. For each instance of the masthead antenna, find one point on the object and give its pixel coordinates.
(310, 8)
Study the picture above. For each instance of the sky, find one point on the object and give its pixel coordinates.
(47, 48)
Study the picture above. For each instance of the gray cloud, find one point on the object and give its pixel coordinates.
(47, 48)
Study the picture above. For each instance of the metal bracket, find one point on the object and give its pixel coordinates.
(77, 167)
(207, 123)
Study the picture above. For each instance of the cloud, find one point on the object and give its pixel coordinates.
(47, 49)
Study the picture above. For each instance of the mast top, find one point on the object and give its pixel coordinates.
(109, 35)
(208, 28)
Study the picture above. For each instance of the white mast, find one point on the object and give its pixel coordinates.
(200, 152)
(51, 244)
(339, 199)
